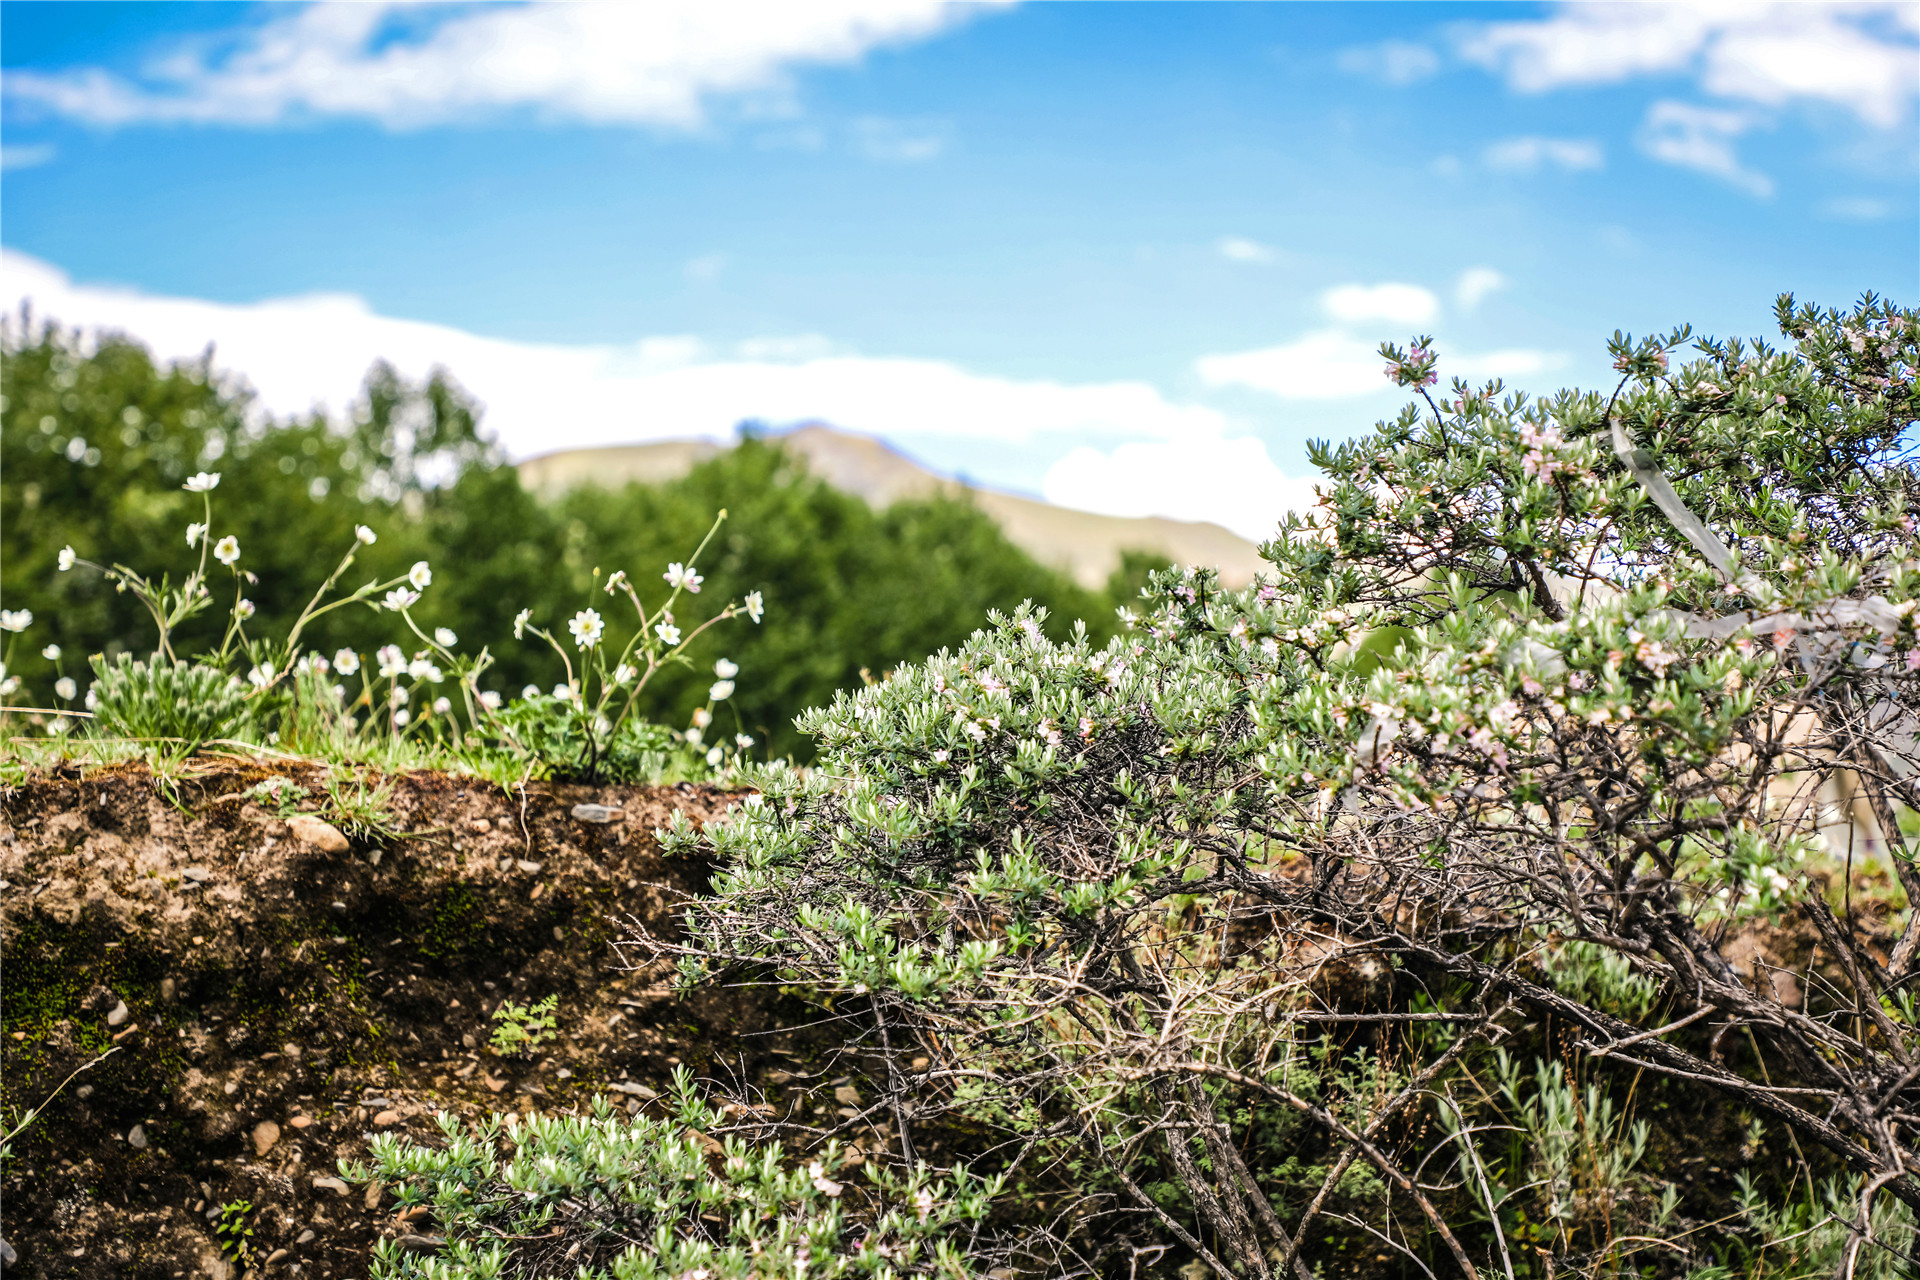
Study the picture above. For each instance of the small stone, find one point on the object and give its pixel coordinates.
(387, 1119)
(167, 989)
(84, 1092)
(559, 934)
(301, 1122)
(199, 941)
(137, 1137)
(125, 1032)
(338, 906)
(846, 1095)
(330, 1184)
(322, 835)
(7, 1256)
(919, 1064)
(494, 1084)
(119, 1015)
(278, 1254)
(374, 1191)
(563, 1074)
(479, 826)
(420, 1244)
(531, 868)
(307, 1236)
(291, 1050)
(265, 1134)
(199, 875)
(636, 1090)
(596, 813)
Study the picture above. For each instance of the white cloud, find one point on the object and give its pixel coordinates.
(1334, 365)
(1391, 61)
(1702, 138)
(1204, 476)
(1860, 56)
(1327, 365)
(29, 157)
(707, 266)
(1407, 304)
(1241, 249)
(898, 141)
(656, 63)
(313, 351)
(1856, 209)
(1529, 153)
(1474, 284)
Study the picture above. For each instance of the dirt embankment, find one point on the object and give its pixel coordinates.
(275, 995)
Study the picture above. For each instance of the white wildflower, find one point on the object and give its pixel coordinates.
(59, 724)
(668, 633)
(401, 717)
(702, 718)
(66, 558)
(15, 619)
(821, 1183)
(346, 662)
(51, 653)
(202, 481)
(392, 661)
(364, 535)
(442, 705)
(445, 637)
(9, 686)
(755, 606)
(721, 690)
(531, 691)
(419, 667)
(743, 740)
(261, 676)
(195, 532)
(682, 577)
(400, 599)
(397, 698)
(923, 1203)
(623, 673)
(227, 550)
(490, 699)
(420, 577)
(725, 670)
(586, 628)
(714, 757)
(564, 692)
(65, 689)
(243, 608)
(520, 623)
(615, 579)
(93, 699)
(695, 737)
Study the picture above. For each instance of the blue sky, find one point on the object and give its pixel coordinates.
(1129, 256)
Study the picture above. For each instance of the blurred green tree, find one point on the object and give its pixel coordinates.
(96, 440)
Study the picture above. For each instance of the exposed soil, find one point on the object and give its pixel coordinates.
(285, 1001)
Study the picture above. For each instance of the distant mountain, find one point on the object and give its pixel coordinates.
(1083, 544)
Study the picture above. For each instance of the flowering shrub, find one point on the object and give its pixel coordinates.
(603, 1197)
(1631, 676)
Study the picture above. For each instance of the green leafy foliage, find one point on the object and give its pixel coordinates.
(604, 1197)
(523, 1028)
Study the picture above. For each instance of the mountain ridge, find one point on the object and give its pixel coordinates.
(1084, 544)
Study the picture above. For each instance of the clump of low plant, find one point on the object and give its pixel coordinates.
(610, 1197)
(166, 702)
(234, 1230)
(523, 1028)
